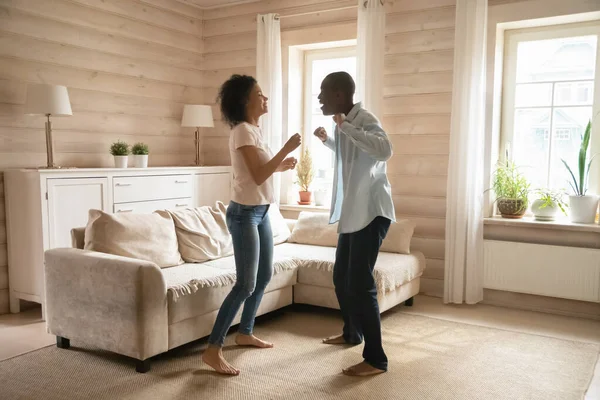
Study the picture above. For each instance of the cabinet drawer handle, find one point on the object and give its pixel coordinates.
(181, 205)
(125, 210)
(123, 184)
(181, 181)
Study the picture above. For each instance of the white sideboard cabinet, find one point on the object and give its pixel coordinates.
(43, 205)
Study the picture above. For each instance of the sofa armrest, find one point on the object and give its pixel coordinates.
(115, 303)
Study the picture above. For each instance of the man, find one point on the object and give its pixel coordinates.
(362, 204)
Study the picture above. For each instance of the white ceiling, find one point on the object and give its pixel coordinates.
(216, 3)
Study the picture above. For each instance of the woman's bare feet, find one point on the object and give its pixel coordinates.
(213, 357)
(337, 339)
(251, 340)
(362, 369)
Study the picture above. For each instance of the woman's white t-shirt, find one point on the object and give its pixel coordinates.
(245, 190)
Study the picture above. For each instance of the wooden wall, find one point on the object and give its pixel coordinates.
(418, 86)
(130, 65)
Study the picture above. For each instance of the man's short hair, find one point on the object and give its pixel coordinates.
(341, 81)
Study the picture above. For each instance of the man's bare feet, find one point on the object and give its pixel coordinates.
(251, 340)
(362, 369)
(213, 357)
(337, 339)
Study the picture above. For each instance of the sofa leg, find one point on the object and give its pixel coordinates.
(62, 343)
(142, 366)
(409, 302)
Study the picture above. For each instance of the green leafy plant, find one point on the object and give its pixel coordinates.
(119, 148)
(509, 183)
(579, 184)
(550, 198)
(304, 171)
(140, 149)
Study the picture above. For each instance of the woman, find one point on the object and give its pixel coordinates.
(242, 104)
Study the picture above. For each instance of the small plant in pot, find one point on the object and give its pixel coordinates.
(140, 155)
(120, 151)
(548, 204)
(304, 171)
(583, 205)
(511, 189)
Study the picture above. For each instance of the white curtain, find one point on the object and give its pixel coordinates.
(370, 55)
(268, 75)
(464, 203)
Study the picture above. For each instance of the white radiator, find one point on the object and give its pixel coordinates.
(555, 271)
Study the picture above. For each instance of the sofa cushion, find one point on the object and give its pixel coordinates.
(202, 233)
(313, 228)
(315, 266)
(281, 230)
(197, 289)
(148, 237)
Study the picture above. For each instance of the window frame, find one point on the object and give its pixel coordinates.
(309, 57)
(509, 84)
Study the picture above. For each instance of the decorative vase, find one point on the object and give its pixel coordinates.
(140, 160)
(547, 213)
(305, 198)
(121, 161)
(583, 209)
(512, 208)
(320, 196)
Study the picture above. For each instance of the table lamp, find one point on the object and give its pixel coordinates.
(48, 100)
(197, 116)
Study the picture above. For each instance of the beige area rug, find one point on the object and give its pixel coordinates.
(429, 359)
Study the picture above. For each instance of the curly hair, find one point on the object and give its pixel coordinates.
(234, 96)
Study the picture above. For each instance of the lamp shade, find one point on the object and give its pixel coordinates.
(48, 99)
(197, 116)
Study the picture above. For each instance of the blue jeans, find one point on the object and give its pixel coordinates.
(252, 237)
(356, 290)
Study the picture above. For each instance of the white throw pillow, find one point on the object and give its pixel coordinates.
(313, 228)
(398, 237)
(281, 231)
(148, 237)
(202, 233)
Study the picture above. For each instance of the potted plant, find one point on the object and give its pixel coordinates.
(548, 204)
(511, 189)
(120, 150)
(140, 155)
(583, 206)
(304, 171)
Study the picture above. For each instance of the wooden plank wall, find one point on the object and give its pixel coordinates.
(129, 66)
(418, 86)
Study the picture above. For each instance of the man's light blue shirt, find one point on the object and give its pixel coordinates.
(361, 190)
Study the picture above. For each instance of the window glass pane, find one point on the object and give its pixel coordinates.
(574, 93)
(569, 126)
(532, 144)
(533, 95)
(562, 59)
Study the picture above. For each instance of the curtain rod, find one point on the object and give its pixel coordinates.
(278, 17)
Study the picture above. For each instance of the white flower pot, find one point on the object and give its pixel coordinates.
(547, 213)
(583, 209)
(140, 160)
(121, 161)
(320, 197)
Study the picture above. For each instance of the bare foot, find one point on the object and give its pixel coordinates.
(251, 340)
(213, 357)
(337, 339)
(362, 369)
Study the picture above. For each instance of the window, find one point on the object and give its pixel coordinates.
(317, 65)
(548, 98)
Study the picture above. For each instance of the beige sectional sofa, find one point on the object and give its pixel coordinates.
(134, 307)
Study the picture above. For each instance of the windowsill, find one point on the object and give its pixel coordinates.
(298, 207)
(561, 224)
